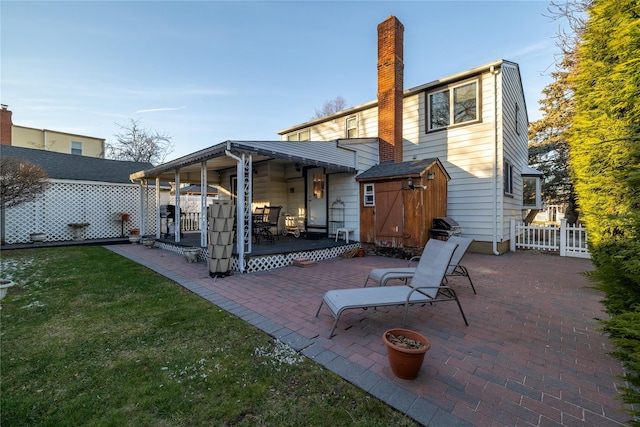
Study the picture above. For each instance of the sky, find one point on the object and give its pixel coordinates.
(203, 72)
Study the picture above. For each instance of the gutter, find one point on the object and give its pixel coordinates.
(496, 176)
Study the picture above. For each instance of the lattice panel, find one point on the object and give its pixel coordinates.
(269, 262)
(66, 202)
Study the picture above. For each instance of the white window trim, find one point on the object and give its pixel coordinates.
(295, 136)
(508, 178)
(369, 192)
(451, 88)
(353, 119)
(72, 143)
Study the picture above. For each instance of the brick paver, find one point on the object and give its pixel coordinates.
(531, 355)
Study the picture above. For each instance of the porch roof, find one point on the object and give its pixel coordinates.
(328, 154)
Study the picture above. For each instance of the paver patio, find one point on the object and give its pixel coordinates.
(532, 354)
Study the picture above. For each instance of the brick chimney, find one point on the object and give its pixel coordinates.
(390, 87)
(5, 125)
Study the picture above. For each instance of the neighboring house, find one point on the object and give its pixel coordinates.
(46, 139)
(80, 190)
(456, 147)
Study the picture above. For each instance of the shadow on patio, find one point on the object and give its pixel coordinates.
(532, 354)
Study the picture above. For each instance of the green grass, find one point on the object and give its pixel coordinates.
(91, 338)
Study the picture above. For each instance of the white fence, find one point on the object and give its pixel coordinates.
(95, 203)
(568, 240)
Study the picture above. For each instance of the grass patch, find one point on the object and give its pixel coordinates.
(91, 338)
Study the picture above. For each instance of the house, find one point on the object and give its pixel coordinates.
(46, 139)
(80, 190)
(475, 122)
(456, 146)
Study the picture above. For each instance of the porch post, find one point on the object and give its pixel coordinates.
(203, 204)
(157, 215)
(142, 216)
(176, 219)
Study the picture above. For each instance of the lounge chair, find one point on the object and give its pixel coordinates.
(426, 286)
(383, 275)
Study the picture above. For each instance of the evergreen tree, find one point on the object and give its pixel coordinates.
(605, 162)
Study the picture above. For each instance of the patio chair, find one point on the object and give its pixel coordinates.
(383, 275)
(271, 219)
(426, 286)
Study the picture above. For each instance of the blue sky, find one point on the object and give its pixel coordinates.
(207, 71)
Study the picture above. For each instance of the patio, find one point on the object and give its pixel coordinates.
(532, 354)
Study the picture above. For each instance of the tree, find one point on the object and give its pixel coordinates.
(330, 107)
(20, 182)
(548, 145)
(604, 142)
(139, 145)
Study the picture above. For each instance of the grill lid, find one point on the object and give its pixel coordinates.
(445, 223)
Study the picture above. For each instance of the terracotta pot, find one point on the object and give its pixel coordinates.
(360, 252)
(405, 363)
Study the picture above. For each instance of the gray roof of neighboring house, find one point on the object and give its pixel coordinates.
(394, 169)
(74, 167)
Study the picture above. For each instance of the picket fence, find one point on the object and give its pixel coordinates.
(568, 240)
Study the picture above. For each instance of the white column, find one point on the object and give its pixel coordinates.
(176, 219)
(203, 204)
(158, 219)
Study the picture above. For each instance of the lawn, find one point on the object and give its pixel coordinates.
(91, 338)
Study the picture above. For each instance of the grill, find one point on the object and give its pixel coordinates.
(168, 213)
(445, 227)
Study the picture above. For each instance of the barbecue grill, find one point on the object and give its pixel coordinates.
(168, 213)
(445, 227)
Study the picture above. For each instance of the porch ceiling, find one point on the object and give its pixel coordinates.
(307, 153)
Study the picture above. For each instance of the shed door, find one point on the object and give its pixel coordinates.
(389, 210)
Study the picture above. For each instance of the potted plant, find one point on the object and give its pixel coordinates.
(124, 217)
(134, 235)
(406, 350)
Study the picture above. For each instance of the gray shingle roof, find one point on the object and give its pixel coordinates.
(392, 169)
(73, 167)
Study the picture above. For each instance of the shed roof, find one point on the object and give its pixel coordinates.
(411, 168)
(74, 167)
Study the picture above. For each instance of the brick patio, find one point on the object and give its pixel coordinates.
(531, 356)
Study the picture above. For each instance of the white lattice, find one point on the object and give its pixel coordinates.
(66, 202)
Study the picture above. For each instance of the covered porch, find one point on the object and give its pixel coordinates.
(304, 178)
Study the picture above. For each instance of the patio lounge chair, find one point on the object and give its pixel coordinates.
(383, 275)
(426, 286)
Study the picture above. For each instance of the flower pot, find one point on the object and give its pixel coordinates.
(134, 238)
(405, 362)
(191, 254)
(148, 242)
(360, 252)
(37, 237)
(5, 284)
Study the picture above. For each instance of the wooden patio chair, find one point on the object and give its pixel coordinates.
(426, 286)
(383, 275)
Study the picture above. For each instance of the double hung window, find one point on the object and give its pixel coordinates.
(455, 105)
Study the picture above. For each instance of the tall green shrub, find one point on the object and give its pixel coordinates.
(605, 162)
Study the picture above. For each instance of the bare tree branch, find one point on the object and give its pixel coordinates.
(330, 107)
(20, 181)
(137, 144)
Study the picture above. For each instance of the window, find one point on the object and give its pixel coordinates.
(301, 135)
(352, 129)
(531, 192)
(76, 148)
(369, 199)
(508, 178)
(454, 105)
(517, 119)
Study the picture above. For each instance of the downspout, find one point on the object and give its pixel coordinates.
(496, 176)
(239, 209)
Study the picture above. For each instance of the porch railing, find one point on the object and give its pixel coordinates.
(568, 240)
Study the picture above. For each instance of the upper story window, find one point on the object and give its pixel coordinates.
(301, 135)
(76, 148)
(455, 105)
(351, 125)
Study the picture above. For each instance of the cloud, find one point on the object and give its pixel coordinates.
(155, 110)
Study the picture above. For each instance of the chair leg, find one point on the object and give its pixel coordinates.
(466, 273)
(318, 312)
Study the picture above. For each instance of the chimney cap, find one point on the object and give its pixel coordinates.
(4, 106)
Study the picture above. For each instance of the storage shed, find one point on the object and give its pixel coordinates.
(399, 202)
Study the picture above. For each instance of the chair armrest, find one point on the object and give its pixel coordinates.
(414, 258)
